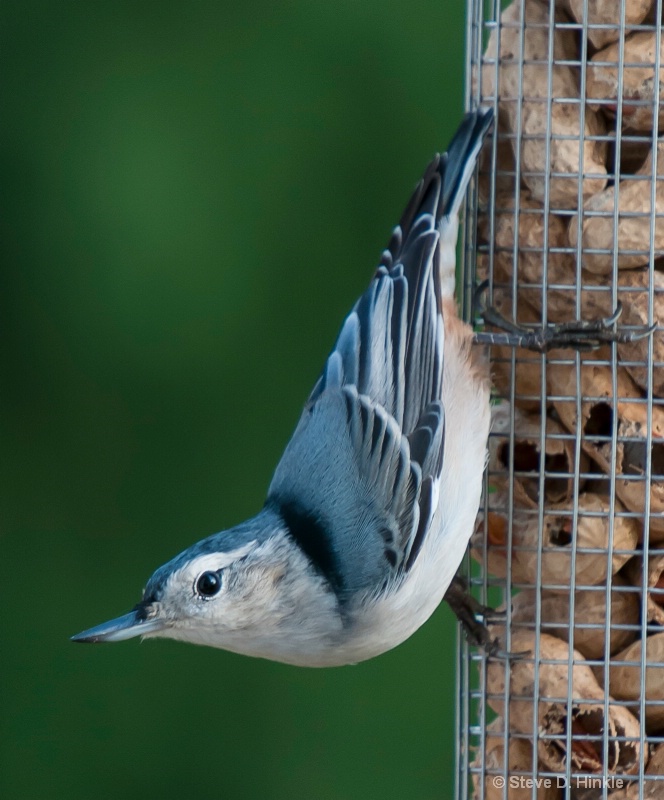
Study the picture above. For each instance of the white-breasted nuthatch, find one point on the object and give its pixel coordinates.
(373, 503)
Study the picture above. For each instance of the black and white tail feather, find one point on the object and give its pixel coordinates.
(381, 395)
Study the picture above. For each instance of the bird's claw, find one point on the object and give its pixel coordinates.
(579, 335)
(475, 619)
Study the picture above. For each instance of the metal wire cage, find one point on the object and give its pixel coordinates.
(566, 220)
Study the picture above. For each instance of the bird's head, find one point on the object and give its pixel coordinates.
(243, 590)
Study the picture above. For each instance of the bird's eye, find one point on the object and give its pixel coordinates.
(208, 584)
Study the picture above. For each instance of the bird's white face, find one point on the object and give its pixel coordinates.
(259, 600)
(208, 596)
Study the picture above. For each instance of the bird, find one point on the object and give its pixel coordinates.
(371, 507)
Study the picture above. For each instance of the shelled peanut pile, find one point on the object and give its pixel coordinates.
(572, 222)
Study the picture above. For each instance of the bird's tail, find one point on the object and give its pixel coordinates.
(458, 162)
(455, 168)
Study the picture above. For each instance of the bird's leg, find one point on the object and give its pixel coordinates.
(578, 334)
(473, 617)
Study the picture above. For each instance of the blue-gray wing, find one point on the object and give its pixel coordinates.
(358, 483)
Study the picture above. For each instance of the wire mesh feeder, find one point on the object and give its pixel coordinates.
(567, 220)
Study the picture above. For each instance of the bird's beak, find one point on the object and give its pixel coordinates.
(136, 623)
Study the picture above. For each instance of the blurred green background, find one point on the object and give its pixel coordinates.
(194, 195)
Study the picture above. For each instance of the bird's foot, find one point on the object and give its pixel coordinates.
(475, 619)
(577, 334)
